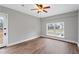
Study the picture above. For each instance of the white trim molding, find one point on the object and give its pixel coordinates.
(11, 44)
(58, 38)
(78, 45)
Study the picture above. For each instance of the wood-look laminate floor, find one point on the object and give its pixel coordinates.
(41, 46)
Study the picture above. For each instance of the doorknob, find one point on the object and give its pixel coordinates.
(4, 28)
(4, 33)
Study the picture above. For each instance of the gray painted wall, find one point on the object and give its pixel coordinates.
(70, 23)
(20, 26)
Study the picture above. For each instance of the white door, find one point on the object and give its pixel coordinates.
(3, 30)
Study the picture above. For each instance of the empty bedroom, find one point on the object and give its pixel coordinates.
(39, 28)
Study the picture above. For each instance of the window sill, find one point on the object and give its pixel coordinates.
(57, 37)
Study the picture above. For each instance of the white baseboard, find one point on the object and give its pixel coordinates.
(39, 36)
(57, 38)
(78, 45)
(23, 40)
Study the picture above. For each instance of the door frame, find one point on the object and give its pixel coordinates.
(5, 25)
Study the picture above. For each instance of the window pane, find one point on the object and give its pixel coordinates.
(56, 29)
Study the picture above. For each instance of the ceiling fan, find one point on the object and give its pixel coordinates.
(41, 8)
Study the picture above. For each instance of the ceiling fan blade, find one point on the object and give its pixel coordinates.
(34, 9)
(46, 7)
(45, 11)
(37, 4)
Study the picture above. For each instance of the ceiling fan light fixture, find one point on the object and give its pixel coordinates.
(41, 8)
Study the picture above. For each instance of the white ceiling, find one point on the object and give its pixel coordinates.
(54, 10)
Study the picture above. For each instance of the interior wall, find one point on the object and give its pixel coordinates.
(70, 23)
(20, 26)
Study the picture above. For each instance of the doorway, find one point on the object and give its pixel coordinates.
(3, 29)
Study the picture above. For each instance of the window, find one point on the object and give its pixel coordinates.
(56, 29)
